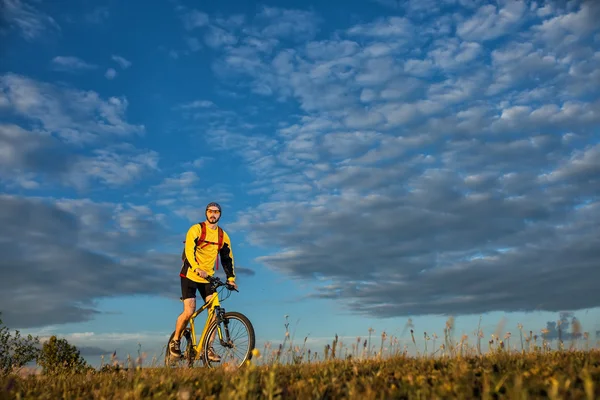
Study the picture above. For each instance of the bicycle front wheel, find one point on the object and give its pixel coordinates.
(229, 344)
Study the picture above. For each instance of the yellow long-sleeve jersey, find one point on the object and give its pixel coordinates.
(204, 254)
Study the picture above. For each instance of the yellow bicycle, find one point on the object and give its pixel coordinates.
(235, 343)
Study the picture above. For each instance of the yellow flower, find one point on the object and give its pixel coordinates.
(255, 353)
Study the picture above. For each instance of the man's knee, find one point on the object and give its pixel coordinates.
(189, 307)
(209, 297)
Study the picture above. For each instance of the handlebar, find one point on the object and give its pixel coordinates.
(217, 282)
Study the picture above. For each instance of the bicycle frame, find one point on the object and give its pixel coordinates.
(198, 348)
(214, 310)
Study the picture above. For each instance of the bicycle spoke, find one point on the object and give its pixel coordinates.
(240, 335)
(240, 350)
(232, 352)
(240, 329)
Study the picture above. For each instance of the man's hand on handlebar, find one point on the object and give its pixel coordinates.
(200, 273)
(216, 281)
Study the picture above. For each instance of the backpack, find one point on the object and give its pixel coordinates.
(206, 242)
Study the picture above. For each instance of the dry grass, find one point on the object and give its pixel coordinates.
(524, 366)
(554, 374)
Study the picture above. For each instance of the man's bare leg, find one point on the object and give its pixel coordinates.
(189, 307)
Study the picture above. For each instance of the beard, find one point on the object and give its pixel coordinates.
(212, 219)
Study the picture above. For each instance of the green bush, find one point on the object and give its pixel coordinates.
(60, 357)
(16, 351)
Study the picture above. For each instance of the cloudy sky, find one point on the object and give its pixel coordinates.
(376, 160)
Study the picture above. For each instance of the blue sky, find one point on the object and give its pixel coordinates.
(375, 160)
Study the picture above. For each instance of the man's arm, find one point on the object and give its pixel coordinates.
(226, 254)
(190, 246)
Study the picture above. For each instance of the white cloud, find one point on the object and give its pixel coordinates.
(401, 88)
(123, 62)
(346, 145)
(28, 156)
(581, 23)
(195, 19)
(232, 21)
(183, 182)
(453, 53)
(217, 37)
(179, 192)
(377, 70)
(545, 10)
(522, 64)
(69, 63)
(28, 19)
(367, 95)
(74, 115)
(400, 113)
(457, 90)
(113, 166)
(419, 68)
(431, 142)
(330, 50)
(110, 74)
(379, 49)
(547, 116)
(391, 27)
(197, 104)
(123, 343)
(198, 162)
(287, 23)
(582, 164)
(91, 240)
(15, 144)
(55, 125)
(491, 22)
(97, 16)
(261, 45)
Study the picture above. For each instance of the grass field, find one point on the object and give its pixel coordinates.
(527, 366)
(558, 374)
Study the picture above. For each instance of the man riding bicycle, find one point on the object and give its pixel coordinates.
(203, 243)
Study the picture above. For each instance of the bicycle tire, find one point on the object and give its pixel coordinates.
(249, 328)
(189, 349)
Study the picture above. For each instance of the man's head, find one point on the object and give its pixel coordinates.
(213, 213)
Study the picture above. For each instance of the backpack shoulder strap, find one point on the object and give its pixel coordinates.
(219, 246)
(202, 233)
(220, 237)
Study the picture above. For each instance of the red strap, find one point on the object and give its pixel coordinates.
(220, 244)
(202, 236)
(202, 233)
(220, 238)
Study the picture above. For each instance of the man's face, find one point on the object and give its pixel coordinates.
(213, 215)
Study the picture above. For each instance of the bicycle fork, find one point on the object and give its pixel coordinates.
(220, 315)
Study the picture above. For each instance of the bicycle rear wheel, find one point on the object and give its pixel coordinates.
(236, 345)
(187, 351)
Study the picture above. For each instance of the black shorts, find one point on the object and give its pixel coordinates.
(188, 289)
